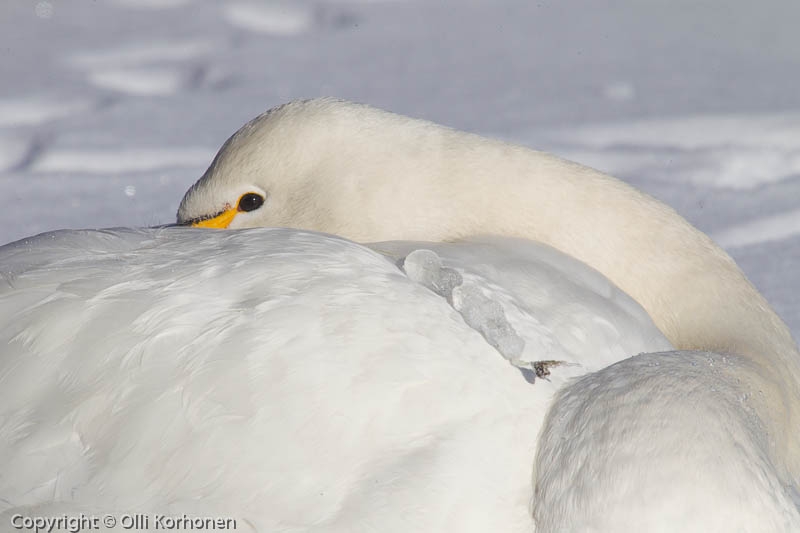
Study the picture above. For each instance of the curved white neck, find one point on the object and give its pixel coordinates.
(692, 289)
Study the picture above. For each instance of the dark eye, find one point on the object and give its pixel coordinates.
(250, 202)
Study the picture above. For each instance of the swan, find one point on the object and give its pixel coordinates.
(369, 175)
(296, 380)
(287, 379)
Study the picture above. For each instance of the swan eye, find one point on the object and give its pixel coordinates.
(250, 202)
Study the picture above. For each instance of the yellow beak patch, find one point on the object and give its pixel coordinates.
(221, 221)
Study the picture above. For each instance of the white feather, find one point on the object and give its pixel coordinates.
(295, 381)
(304, 383)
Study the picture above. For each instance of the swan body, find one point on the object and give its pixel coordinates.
(369, 175)
(293, 381)
(663, 443)
(299, 381)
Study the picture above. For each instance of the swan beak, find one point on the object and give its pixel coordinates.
(221, 221)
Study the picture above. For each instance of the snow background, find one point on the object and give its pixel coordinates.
(110, 110)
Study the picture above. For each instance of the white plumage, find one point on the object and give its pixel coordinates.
(305, 383)
(296, 381)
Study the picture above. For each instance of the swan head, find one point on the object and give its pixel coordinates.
(259, 172)
(323, 165)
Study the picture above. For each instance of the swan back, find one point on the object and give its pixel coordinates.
(286, 378)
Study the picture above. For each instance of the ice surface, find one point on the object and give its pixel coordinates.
(480, 312)
(425, 267)
(487, 316)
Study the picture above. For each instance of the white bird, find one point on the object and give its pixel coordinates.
(290, 380)
(302, 382)
(370, 175)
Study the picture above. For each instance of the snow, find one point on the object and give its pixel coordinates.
(697, 104)
(277, 19)
(767, 228)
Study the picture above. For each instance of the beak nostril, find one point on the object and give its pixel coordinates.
(220, 220)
